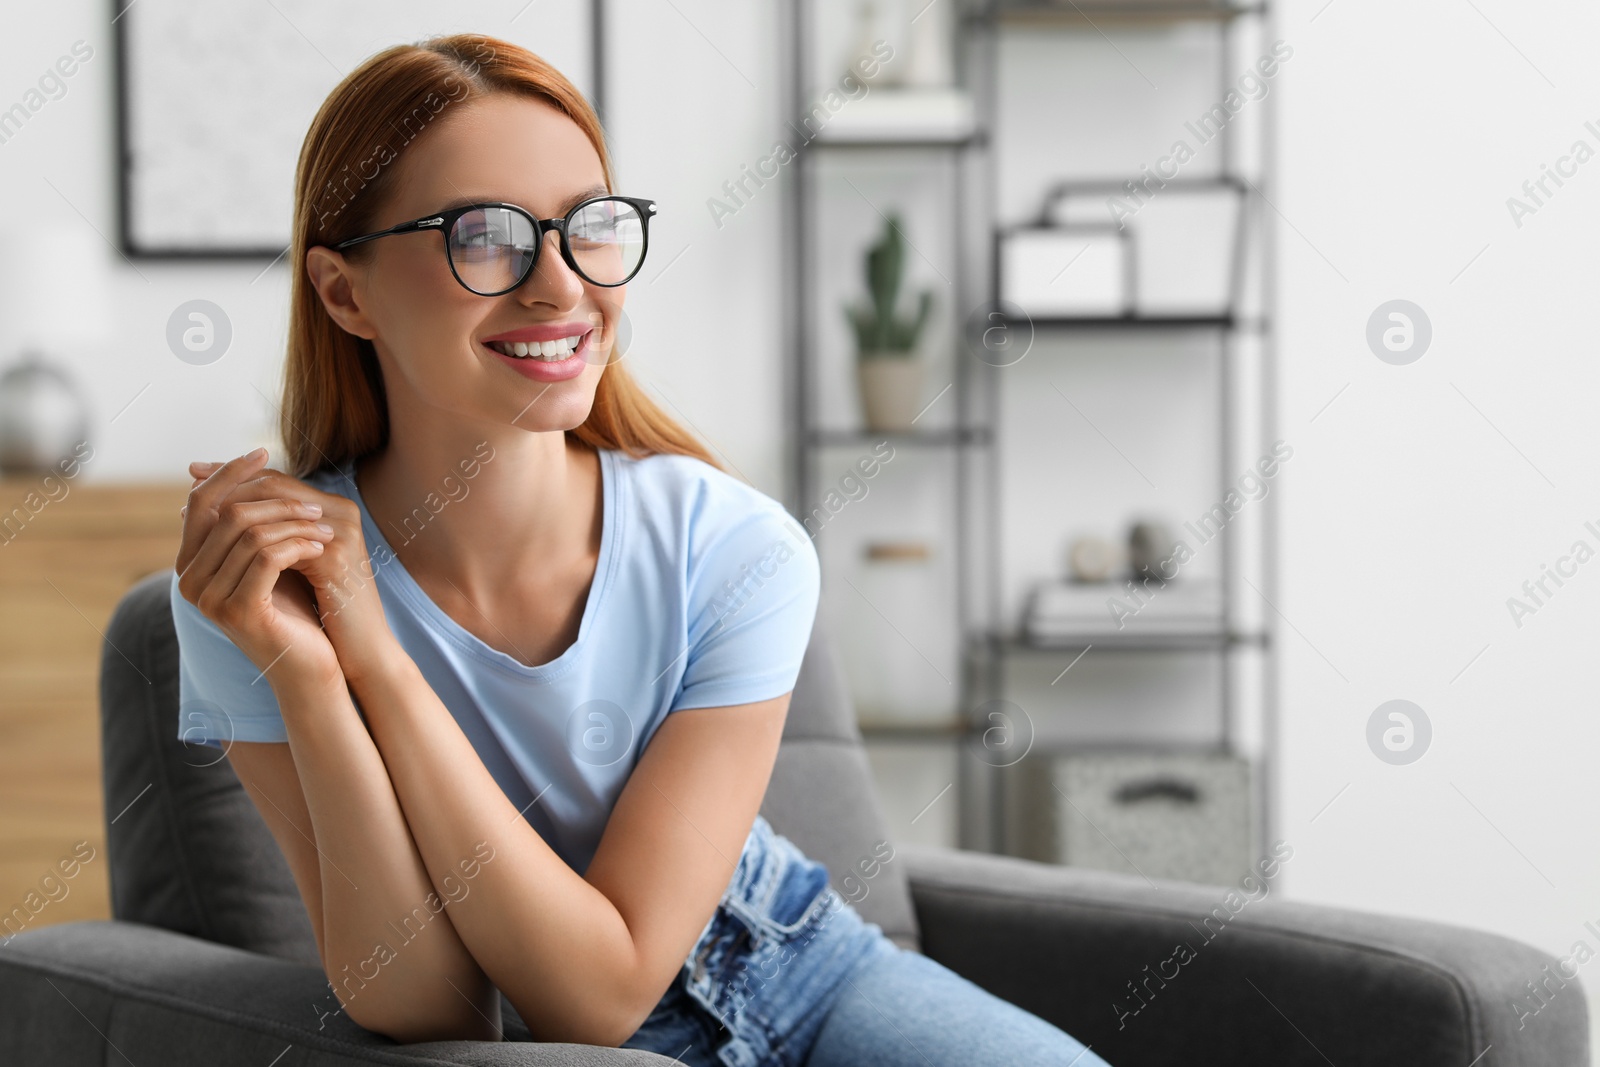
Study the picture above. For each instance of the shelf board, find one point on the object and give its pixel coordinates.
(941, 437)
(1128, 322)
(1065, 15)
(972, 139)
(1047, 747)
(1124, 641)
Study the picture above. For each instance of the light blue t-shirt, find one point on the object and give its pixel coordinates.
(704, 595)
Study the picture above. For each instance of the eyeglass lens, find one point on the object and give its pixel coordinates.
(492, 247)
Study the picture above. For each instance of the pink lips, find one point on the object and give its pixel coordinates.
(546, 370)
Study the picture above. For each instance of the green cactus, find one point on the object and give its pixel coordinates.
(879, 332)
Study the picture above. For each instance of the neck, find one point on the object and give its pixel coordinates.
(479, 504)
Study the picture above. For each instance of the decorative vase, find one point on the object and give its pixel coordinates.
(929, 66)
(891, 390)
(1150, 545)
(872, 29)
(1092, 559)
(43, 417)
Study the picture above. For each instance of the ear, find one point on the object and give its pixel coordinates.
(334, 278)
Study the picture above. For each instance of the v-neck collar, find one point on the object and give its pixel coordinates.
(611, 521)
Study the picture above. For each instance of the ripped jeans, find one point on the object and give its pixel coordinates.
(786, 973)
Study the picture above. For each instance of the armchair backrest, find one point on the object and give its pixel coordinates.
(189, 852)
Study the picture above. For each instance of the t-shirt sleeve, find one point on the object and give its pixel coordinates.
(752, 601)
(222, 696)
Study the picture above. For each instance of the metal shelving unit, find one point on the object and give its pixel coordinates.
(971, 443)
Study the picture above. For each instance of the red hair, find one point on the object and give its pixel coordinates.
(333, 395)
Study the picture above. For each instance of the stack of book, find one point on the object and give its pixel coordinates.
(1061, 611)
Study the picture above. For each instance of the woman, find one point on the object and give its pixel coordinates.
(503, 632)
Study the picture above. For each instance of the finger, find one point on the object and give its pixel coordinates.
(275, 485)
(199, 470)
(234, 517)
(261, 576)
(269, 483)
(252, 542)
(204, 499)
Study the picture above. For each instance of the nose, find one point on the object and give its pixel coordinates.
(551, 279)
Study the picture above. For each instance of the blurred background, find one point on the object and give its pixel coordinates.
(1191, 406)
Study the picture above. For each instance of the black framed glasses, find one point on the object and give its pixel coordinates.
(492, 247)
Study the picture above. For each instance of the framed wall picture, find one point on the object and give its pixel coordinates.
(214, 100)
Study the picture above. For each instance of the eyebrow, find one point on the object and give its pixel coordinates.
(565, 206)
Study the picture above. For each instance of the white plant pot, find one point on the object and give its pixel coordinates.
(891, 390)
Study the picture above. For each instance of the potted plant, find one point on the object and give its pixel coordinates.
(887, 368)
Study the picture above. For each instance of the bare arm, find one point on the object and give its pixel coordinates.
(384, 932)
(384, 938)
(668, 852)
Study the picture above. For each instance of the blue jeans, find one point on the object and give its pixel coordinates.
(786, 973)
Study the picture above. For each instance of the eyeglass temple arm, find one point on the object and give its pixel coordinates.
(405, 227)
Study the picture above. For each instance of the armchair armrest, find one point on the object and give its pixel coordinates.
(159, 997)
(1150, 972)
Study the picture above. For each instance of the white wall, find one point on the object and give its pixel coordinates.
(1424, 496)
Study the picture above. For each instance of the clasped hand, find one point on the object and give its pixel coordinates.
(281, 568)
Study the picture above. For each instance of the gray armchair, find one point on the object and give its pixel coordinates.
(210, 957)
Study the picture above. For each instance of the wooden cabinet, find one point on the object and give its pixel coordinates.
(68, 551)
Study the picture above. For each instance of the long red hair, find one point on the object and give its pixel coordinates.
(333, 396)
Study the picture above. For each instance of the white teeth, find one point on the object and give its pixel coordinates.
(560, 348)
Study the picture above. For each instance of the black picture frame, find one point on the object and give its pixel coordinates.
(128, 227)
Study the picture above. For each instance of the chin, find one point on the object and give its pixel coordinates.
(547, 411)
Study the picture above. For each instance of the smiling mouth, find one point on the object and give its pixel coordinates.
(546, 351)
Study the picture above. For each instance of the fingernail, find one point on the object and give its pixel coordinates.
(324, 527)
(312, 509)
(256, 453)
